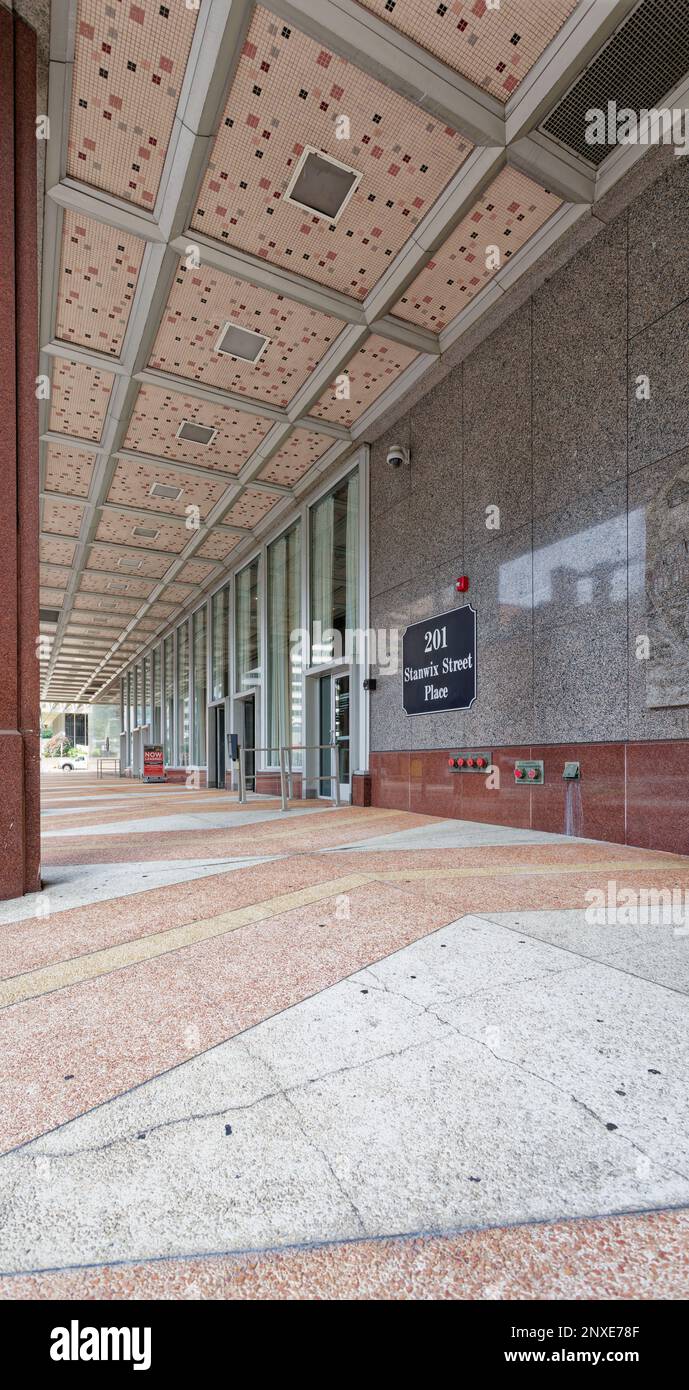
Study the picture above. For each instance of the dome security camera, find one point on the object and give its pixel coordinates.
(397, 455)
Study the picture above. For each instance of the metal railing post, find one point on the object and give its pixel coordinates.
(283, 782)
(242, 776)
(337, 773)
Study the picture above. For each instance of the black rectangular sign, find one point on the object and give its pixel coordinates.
(439, 662)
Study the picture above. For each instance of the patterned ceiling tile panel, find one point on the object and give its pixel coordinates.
(177, 593)
(101, 620)
(302, 449)
(109, 603)
(195, 571)
(493, 46)
(79, 396)
(54, 576)
(251, 506)
(128, 69)
(204, 300)
(103, 557)
(68, 469)
(158, 415)
(98, 274)
(370, 371)
(132, 483)
(51, 598)
(64, 518)
(57, 552)
(119, 528)
(104, 584)
(506, 217)
(147, 624)
(218, 545)
(161, 608)
(289, 93)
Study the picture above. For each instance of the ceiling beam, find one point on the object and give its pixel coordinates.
(589, 26)
(392, 58)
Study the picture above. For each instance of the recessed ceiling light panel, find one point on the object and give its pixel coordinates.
(166, 490)
(243, 343)
(145, 533)
(197, 434)
(322, 185)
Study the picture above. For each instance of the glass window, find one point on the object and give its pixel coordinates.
(220, 615)
(102, 729)
(147, 697)
(246, 626)
(168, 703)
(157, 726)
(200, 688)
(284, 656)
(76, 730)
(183, 694)
(131, 704)
(334, 570)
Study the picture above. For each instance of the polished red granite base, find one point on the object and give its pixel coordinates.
(361, 789)
(633, 793)
(268, 783)
(19, 481)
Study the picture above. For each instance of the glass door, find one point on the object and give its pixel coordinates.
(325, 734)
(341, 728)
(220, 746)
(250, 740)
(334, 727)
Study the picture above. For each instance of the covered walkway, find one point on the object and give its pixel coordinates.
(325, 1053)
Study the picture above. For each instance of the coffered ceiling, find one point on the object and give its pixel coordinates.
(262, 226)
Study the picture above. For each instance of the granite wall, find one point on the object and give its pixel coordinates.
(543, 421)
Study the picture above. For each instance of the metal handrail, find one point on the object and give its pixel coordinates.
(242, 774)
(108, 758)
(287, 771)
(320, 776)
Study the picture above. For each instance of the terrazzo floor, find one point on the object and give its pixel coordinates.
(336, 1053)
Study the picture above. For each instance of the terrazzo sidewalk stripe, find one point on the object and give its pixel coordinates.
(87, 967)
(69, 1051)
(613, 1258)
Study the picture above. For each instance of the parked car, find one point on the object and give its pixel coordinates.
(72, 760)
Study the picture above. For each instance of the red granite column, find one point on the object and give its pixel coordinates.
(19, 675)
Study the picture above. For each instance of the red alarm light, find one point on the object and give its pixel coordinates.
(462, 584)
(518, 772)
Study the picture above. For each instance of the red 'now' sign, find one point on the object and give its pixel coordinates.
(154, 769)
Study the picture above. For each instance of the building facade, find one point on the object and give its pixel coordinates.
(550, 468)
(276, 654)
